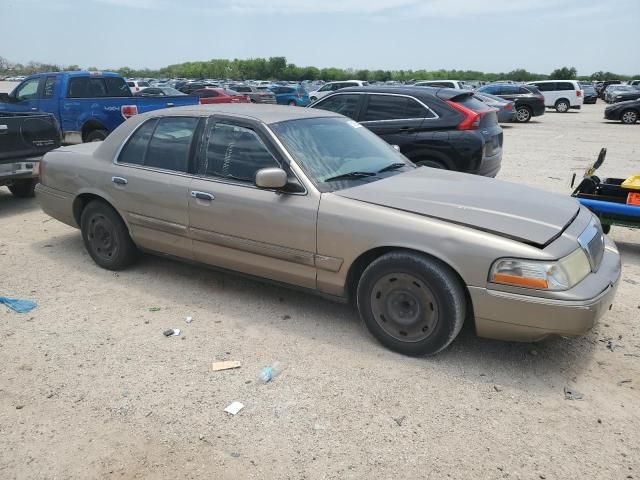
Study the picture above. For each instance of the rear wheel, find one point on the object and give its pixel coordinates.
(23, 188)
(96, 136)
(292, 103)
(411, 303)
(562, 106)
(629, 117)
(106, 237)
(523, 114)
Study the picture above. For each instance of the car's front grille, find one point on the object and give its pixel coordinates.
(592, 242)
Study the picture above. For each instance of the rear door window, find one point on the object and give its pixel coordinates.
(135, 149)
(546, 86)
(88, 87)
(564, 86)
(508, 90)
(170, 145)
(392, 107)
(344, 104)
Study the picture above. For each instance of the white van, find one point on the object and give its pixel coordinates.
(329, 87)
(457, 84)
(560, 94)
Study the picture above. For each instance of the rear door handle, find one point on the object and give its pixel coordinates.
(119, 180)
(202, 195)
(34, 109)
(170, 104)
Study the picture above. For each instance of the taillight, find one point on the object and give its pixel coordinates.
(471, 119)
(578, 93)
(297, 95)
(508, 106)
(128, 111)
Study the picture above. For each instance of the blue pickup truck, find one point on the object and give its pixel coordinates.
(87, 105)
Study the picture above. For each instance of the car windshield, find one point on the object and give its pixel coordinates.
(326, 148)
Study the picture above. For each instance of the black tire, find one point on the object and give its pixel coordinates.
(432, 164)
(106, 237)
(523, 114)
(606, 229)
(313, 99)
(292, 103)
(96, 136)
(404, 284)
(562, 106)
(24, 188)
(629, 116)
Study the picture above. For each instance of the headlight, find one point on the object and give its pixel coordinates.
(562, 274)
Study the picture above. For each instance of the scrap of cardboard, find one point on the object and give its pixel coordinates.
(226, 365)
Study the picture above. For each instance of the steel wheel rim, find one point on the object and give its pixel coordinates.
(404, 307)
(102, 238)
(629, 117)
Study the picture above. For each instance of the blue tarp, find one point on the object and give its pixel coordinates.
(20, 306)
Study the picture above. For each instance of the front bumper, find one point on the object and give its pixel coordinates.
(515, 317)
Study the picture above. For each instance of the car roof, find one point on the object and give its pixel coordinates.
(264, 113)
(440, 92)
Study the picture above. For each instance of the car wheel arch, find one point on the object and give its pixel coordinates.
(359, 265)
(84, 198)
(421, 156)
(91, 126)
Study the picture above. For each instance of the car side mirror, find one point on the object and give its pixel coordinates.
(271, 178)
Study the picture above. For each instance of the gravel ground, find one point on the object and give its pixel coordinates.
(92, 389)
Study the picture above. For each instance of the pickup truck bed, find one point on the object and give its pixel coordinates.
(24, 139)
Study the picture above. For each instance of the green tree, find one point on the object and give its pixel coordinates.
(564, 73)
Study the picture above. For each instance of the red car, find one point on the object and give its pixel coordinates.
(220, 95)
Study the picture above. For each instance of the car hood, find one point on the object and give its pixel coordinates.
(514, 211)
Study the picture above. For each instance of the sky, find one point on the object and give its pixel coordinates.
(485, 35)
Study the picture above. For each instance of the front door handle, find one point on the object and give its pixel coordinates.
(202, 195)
(119, 180)
(34, 109)
(170, 104)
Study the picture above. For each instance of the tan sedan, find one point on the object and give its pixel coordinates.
(310, 198)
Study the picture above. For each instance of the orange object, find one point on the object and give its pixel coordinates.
(633, 199)
(516, 280)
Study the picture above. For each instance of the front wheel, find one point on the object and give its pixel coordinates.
(562, 106)
(292, 103)
(629, 117)
(23, 188)
(106, 237)
(412, 304)
(523, 114)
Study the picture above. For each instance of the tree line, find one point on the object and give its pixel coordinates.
(277, 68)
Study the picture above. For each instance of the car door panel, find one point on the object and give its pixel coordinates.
(241, 227)
(150, 184)
(155, 205)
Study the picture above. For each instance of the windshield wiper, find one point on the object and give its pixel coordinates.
(393, 166)
(348, 175)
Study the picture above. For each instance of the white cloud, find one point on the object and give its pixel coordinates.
(402, 8)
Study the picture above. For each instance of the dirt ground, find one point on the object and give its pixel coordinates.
(90, 387)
